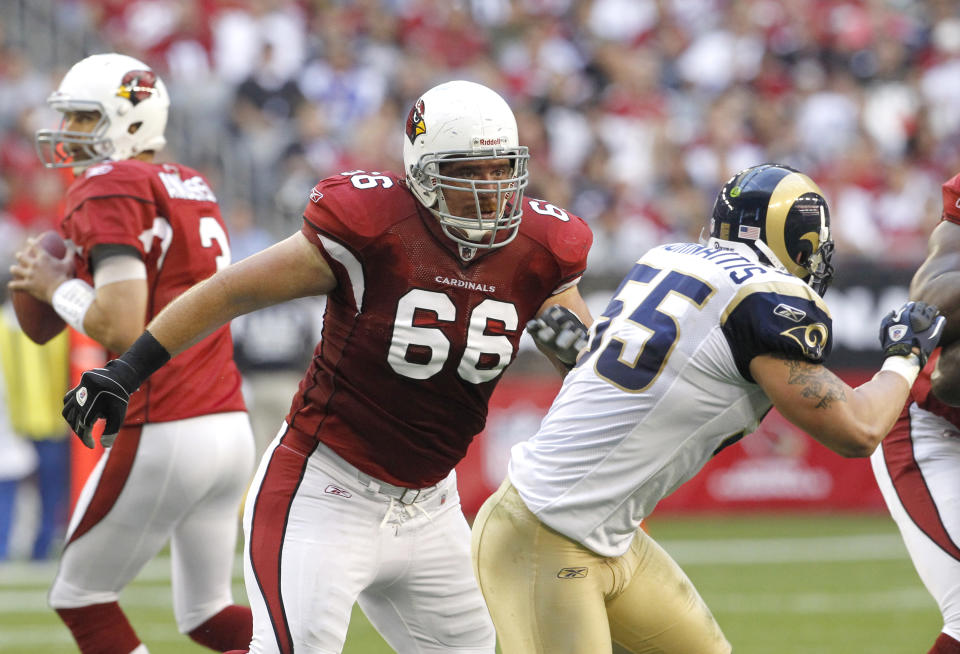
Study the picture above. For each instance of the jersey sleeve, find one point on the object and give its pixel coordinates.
(109, 205)
(951, 200)
(566, 235)
(337, 221)
(572, 245)
(790, 320)
(333, 211)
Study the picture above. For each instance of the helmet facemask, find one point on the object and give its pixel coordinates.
(462, 122)
(472, 229)
(820, 267)
(63, 147)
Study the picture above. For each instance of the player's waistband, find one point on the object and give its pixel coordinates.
(399, 493)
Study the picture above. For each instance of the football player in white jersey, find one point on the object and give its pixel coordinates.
(697, 344)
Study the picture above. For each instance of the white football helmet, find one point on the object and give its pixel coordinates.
(467, 122)
(131, 99)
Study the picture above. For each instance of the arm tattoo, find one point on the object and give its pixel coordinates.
(818, 383)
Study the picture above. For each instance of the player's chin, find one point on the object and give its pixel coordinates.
(945, 379)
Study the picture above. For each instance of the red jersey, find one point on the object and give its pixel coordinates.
(415, 337)
(950, 192)
(168, 213)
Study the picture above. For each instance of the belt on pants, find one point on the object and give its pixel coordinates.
(400, 493)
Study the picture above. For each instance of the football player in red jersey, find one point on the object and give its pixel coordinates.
(141, 233)
(430, 278)
(917, 465)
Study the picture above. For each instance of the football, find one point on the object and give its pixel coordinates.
(38, 319)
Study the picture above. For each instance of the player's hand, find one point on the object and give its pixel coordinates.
(38, 272)
(559, 331)
(914, 328)
(101, 393)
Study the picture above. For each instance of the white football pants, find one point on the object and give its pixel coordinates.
(180, 481)
(317, 540)
(918, 470)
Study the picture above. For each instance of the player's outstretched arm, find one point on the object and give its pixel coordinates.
(560, 328)
(853, 421)
(290, 269)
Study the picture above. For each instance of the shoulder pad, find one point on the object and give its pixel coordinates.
(566, 235)
(777, 317)
(358, 204)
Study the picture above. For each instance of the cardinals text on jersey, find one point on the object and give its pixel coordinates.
(416, 336)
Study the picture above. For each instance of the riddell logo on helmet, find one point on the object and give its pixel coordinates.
(500, 140)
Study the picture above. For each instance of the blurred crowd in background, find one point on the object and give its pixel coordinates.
(635, 111)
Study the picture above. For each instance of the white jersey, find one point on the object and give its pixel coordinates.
(663, 386)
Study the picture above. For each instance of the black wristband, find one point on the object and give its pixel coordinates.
(145, 357)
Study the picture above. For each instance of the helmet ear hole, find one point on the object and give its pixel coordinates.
(132, 129)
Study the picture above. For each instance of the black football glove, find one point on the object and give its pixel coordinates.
(105, 392)
(101, 393)
(914, 326)
(560, 331)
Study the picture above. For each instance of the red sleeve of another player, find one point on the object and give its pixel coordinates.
(951, 200)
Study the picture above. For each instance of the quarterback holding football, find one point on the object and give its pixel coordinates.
(139, 233)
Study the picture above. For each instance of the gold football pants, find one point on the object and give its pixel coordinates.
(549, 594)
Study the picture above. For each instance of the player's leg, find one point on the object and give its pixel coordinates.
(657, 608)
(309, 548)
(545, 592)
(216, 454)
(425, 598)
(916, 470)
(121, 521)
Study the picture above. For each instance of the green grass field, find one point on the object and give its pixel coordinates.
(777, 585)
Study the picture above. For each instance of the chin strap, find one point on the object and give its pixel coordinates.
(772, 258)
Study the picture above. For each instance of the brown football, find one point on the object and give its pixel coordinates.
(38, 319)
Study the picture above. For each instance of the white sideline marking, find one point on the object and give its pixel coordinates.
(866, 547)
(819, 549)
(151, 590)
(726, 551)
(21, 573)
(34, 600)
(740, 551)
(894, 600)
